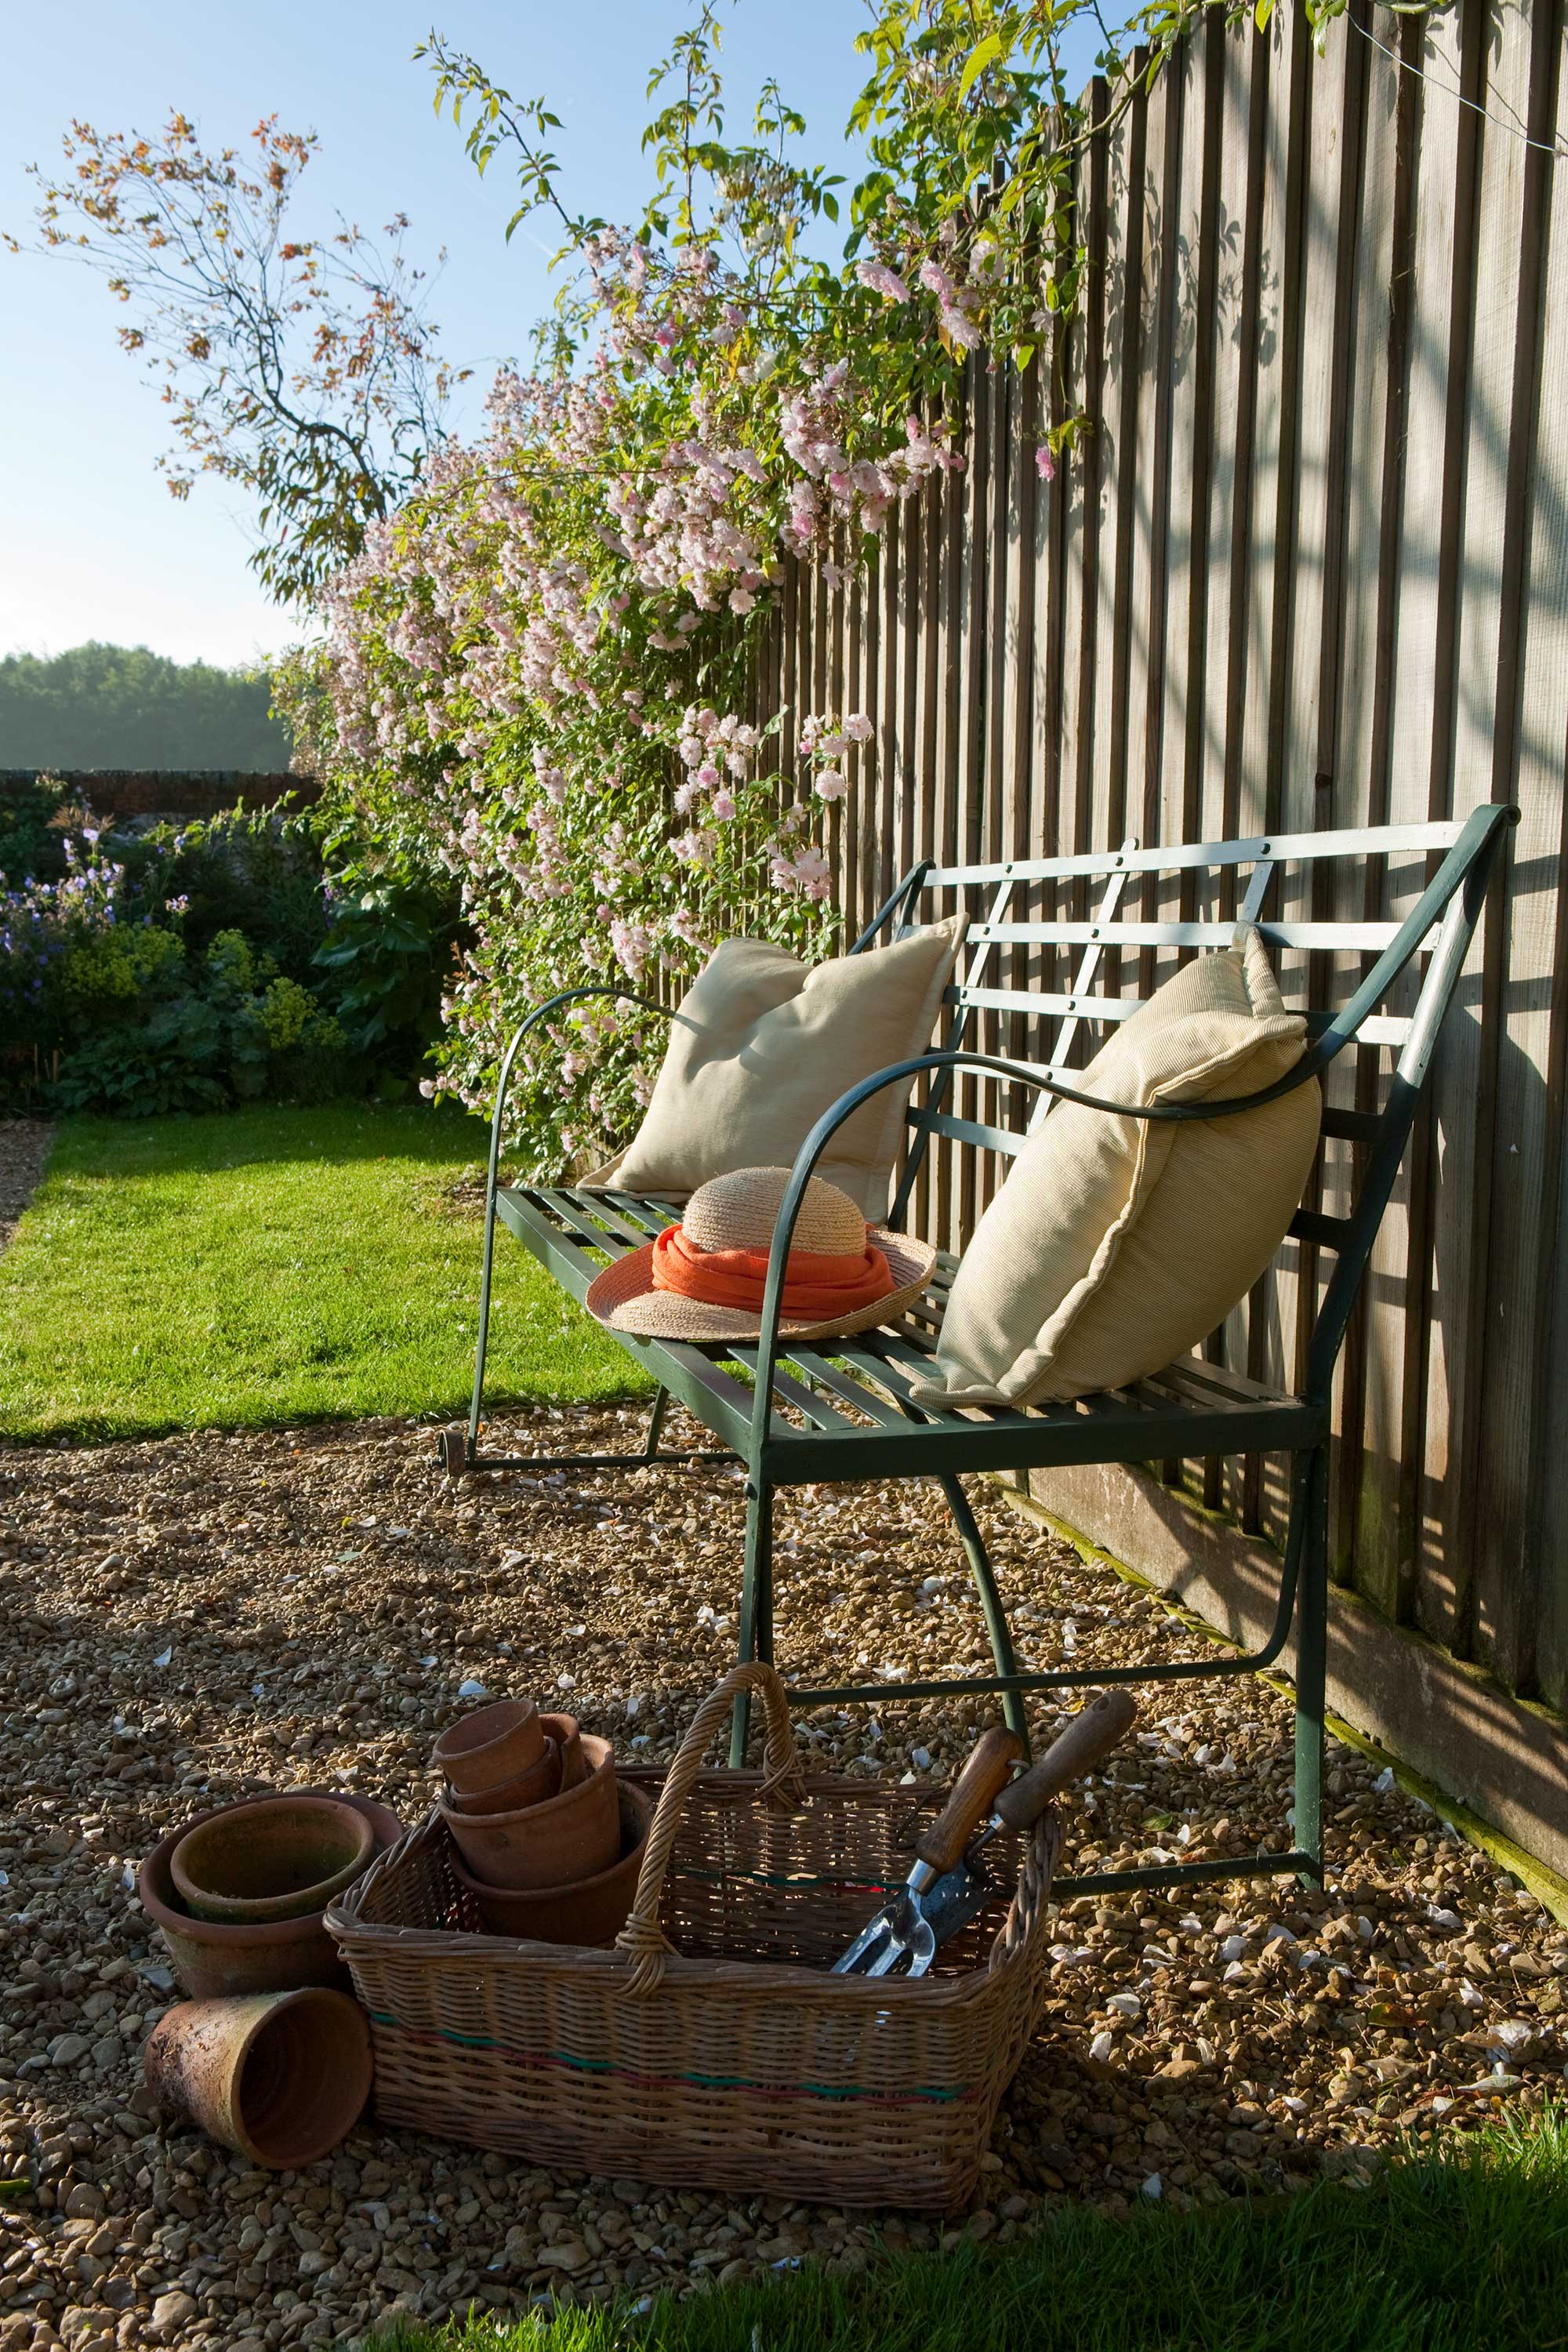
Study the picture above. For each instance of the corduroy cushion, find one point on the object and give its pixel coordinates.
(1116, 1244)
(763, 1045)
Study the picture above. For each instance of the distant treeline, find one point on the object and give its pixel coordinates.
(122, 707)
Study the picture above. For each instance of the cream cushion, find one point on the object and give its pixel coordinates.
(1116, 1244)
(763, 1044)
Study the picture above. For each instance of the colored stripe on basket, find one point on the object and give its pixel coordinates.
(567, 2062)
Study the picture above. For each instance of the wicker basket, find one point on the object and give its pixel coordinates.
(726, 2055)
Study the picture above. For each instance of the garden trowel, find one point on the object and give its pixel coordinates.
(901, 1930)
(961, 1893)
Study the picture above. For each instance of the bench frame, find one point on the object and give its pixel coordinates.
(783, 1415)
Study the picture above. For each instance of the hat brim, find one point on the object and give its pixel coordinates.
(622, 1296)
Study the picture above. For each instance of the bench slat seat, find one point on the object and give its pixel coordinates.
(855, 1393)
(1059, 950)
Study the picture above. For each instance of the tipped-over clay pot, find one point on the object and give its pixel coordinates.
(568, 1838)
(274, 1861)
(494, 1745)
(278, 2077)
(216, 1956)
(592, 1912)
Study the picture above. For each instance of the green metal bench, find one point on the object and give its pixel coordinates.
(843, 1411)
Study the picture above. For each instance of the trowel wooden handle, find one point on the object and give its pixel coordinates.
(1090, 1734)
(973, 1794)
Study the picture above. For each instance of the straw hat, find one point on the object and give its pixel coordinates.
(702, 1279)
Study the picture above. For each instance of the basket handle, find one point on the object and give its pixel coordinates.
(642, 1939)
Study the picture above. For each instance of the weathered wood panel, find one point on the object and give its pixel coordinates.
(1308, 566)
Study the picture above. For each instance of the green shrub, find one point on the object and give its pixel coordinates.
(32, 838)
(190, 968)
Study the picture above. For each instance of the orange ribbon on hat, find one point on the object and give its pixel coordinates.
(817, 1285)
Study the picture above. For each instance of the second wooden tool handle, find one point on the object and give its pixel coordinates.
(1091, 1734)
(973, 1793)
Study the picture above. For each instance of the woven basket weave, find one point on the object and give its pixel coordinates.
(710, 2046)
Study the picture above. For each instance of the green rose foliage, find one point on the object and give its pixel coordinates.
(537, 674)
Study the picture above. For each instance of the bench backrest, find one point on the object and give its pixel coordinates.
(1059, 948)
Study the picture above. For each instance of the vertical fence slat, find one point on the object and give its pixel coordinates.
(1542, 776)
(1367, 1513)
(1520, 78)
(1308, 565)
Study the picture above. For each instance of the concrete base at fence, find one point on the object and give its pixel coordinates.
(1504, 1759)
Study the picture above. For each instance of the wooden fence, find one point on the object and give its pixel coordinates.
(1308, 568)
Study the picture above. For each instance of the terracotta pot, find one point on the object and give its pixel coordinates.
(275, 1860)
(530, 1788)
(212, 1958)
(563, 1731)
(278, 2077)
(592, 1912)
(494, 1745)
(568, 1838)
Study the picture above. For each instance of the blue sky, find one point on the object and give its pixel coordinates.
(91, 544)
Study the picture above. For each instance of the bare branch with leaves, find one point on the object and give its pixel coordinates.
(302, 366)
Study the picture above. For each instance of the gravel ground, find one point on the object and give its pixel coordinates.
(24, 1148)
(196, 1618)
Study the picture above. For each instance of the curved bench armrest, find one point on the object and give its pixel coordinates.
(551, 1005)
(487, 1259)
(898, 1073)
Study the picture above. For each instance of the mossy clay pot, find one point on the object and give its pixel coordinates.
(276, 1860)
(280, 2077)
(217, 1957)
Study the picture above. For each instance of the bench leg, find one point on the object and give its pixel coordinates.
(456, 1447)
(481, 1345)
(980, 1568)
(656, 1424)
(1311, 1666)
(756, 1635)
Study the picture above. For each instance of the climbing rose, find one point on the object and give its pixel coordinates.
(882, 280)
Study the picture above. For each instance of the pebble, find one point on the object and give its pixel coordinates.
(1240, 2041)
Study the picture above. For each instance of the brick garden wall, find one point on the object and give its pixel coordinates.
(168, 791)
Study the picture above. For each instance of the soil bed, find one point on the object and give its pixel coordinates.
(24, 1148)
(190, 1620)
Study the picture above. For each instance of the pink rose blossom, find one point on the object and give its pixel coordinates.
(882, 280)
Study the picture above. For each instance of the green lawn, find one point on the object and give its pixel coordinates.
(269, 1265)
(1441, 2255)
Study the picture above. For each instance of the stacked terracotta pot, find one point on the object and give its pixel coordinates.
(546, 1840)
